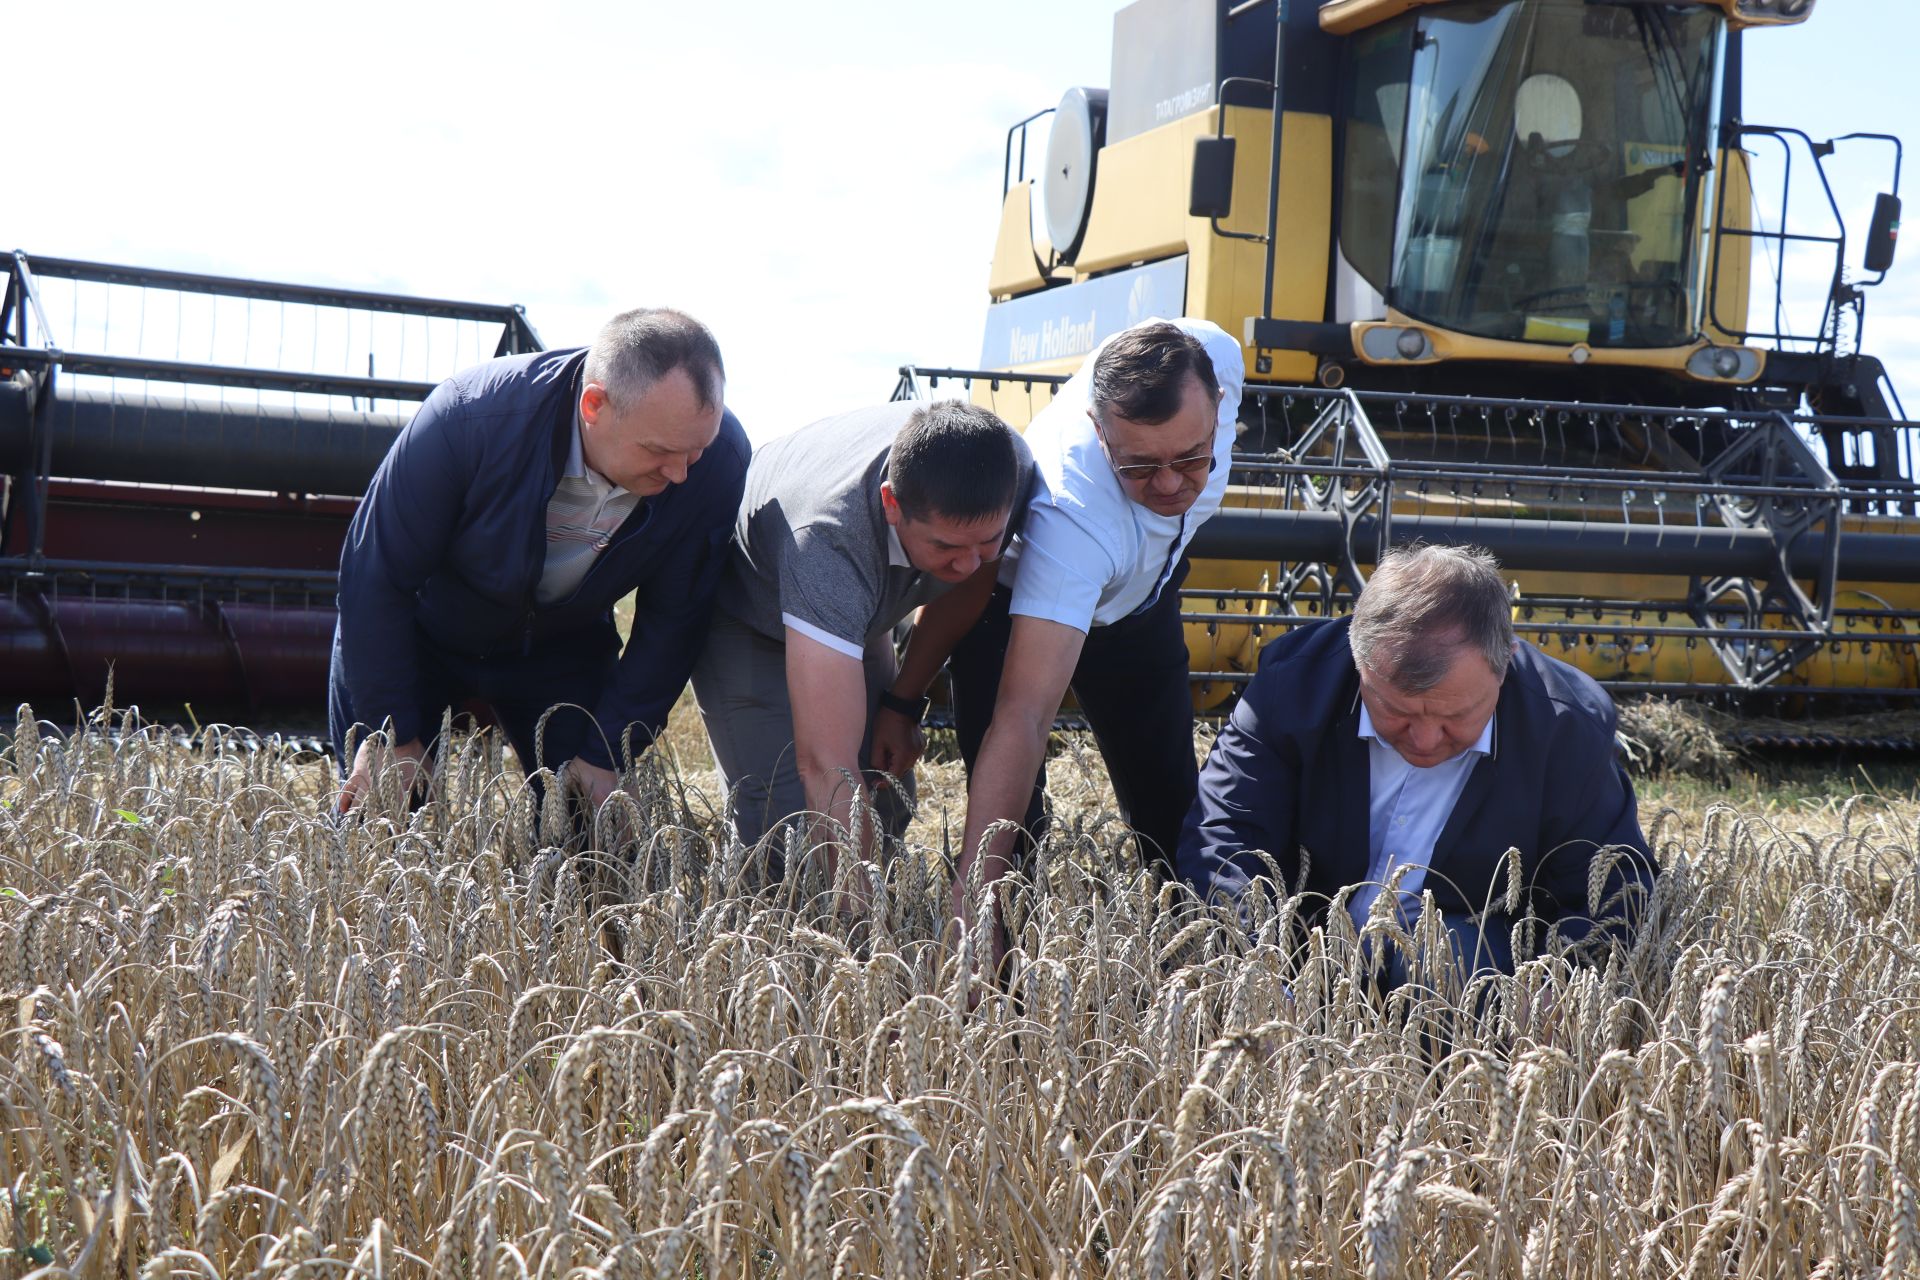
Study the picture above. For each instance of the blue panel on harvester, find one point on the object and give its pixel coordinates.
(1058, 324)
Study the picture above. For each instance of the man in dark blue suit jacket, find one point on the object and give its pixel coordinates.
(528, 496)
(1419, 732)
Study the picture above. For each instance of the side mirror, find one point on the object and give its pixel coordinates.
(1212, 194)
(1880, 239)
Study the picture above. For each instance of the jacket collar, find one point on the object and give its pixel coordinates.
(1353, 769)
(1480, 782)
(564, 431)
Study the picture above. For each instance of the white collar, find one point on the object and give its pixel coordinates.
(896, 554)
(1483, 745)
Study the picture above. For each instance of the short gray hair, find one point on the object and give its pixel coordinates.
(637, 348)
(1425, 603)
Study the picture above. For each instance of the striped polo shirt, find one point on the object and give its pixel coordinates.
(586, 510)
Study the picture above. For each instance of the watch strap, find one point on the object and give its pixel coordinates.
(914, 709)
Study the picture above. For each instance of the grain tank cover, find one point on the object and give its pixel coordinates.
(1169, 57)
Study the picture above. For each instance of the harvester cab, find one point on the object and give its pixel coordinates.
(1498, 275)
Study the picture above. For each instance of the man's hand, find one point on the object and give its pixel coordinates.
(410, 758)
(591, 781)
(1041, 656)
(898, 743)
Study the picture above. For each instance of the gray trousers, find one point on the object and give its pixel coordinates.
(741, 684)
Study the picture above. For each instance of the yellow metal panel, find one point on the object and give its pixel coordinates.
(1016, 254)
(1233, 646)
(1672, 660)
(1140, 214)
(1736, 252)
(1140, 190)
(1226, 646)
(1224, 275)
(1739, 23)
(1448, 345)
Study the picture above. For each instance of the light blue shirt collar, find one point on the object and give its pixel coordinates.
(1407, 810)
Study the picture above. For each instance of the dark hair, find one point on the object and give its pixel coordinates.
(1142, 374)
(954, 460)
(637, 348)
(1422, 605)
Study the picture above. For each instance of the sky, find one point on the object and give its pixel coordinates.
(819, 183)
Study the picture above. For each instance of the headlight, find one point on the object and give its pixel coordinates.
(1724, 364)
(1773, 11)
(1385, 343)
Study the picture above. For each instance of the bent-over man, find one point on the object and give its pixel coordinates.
(848, 526)
(523, 500)
(1130, 458)
(1420, 733)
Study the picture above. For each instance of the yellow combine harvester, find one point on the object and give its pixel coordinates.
(1495, 274)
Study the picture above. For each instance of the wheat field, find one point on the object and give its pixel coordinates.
(244, 1039)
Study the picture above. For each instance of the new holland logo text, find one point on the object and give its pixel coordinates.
(1056, 340)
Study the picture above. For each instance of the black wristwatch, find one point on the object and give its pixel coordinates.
(914, 709)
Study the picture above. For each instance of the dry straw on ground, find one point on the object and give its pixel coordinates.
(243, 1039)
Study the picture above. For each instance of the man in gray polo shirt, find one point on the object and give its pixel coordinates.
(847, 527)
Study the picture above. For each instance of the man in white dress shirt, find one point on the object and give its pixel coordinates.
(1421, 734)
(1130, 458)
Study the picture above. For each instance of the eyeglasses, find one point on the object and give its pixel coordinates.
(1198, 464)
(1194, 464)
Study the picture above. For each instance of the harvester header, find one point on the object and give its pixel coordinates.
(180, 455)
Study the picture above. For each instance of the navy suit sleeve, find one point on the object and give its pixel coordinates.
(671, 612)
(398, 537)
(1592, 807)
(1246, 802)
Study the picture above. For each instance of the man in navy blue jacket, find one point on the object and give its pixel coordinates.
(525, 498)
(1420, 734)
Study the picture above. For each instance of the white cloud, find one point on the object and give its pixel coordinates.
(829, 217)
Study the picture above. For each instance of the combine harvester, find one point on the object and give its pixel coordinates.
(179, 457)
(1496, 277)
(1495, 274)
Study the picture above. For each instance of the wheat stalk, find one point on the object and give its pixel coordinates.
(464, 1040)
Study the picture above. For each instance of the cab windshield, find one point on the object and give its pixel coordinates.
(1530, 169)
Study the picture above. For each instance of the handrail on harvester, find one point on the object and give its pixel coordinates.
(511, 314)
